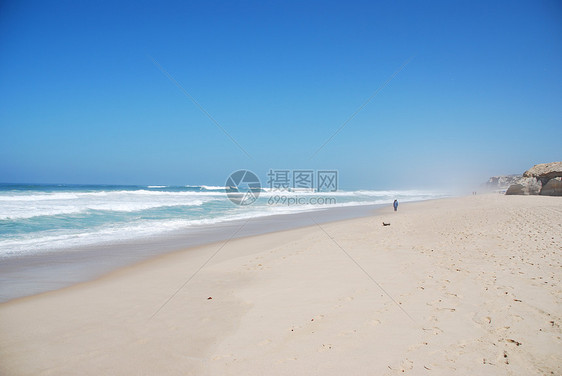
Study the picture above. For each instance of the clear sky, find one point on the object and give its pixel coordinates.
(82, 101)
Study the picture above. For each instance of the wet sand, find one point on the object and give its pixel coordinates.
(51, 270)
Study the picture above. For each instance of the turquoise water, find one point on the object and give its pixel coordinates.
(45, 218)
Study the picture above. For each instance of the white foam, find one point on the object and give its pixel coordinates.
(213, 187)
(77, 195)
(64, 239)
(29, 206)
(14, 206)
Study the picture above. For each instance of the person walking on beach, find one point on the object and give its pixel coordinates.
(395, 204)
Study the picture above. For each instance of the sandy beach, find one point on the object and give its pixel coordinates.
(466, 285)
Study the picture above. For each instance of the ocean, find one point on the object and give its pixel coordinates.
(37, 219)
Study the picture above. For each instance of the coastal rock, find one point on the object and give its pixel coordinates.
(544, 179)
(525, 186)
(502, 182)
(552, 188)
(545, 170)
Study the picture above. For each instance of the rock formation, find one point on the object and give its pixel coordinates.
(545, 170)
(542, 179)
(525, 186)
(502, 182)
(552, 188)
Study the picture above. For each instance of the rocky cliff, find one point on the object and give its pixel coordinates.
(502, 182)
(542, 179)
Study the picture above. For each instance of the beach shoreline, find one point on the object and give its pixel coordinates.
(27, 275)
(468, 284)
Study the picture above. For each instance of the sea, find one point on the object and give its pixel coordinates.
(37, 219)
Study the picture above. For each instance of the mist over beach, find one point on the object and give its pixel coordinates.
(280, 188)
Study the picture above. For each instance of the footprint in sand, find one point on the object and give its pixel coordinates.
(437, 301)
(482, 320)
(407, 365)
(435, 330)
(446, 309)
(417, 346)
(516, 317)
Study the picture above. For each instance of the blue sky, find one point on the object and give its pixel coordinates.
(81, 100)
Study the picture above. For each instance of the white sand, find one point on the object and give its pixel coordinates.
(474, 287)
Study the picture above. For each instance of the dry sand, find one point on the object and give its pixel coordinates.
(455, 286)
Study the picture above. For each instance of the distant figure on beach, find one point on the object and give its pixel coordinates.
(395, 204)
